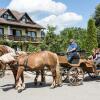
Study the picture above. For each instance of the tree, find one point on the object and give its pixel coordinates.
(97, 22)
(91, 38)
(98, 36)
(79, 34)
(32, 48)
(97, 15)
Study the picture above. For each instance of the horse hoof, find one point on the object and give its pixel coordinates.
(20, 90)
(14, 86)
(23, 87)
(42, 83)
(35, 83)
(59, 85)
(52, 87)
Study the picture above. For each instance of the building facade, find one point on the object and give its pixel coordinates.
(19, 27)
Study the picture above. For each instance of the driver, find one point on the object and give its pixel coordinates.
(72, 50)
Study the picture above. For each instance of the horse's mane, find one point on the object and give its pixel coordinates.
(3, 49)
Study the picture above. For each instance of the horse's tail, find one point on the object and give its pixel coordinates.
(58, 73)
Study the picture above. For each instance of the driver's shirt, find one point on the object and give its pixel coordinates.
(71, 46)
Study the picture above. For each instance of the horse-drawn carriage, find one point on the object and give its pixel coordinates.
(75, 71)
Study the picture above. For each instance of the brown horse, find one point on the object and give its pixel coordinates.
(14, 65)
(37, 61)
(23, 58)
(4, 50)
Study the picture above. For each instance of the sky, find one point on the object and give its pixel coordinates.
(59, 13)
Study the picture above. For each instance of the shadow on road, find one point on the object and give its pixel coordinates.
(89, 79)
(8, 87)
(31, 85)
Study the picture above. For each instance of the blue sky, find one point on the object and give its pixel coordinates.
(69, 13)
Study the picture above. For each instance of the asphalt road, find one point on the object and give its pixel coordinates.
(90, 90)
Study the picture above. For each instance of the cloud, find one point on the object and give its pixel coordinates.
(61, 21)
(47, 12)
(33, 6)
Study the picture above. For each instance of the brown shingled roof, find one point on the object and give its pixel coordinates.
(2, 10)
(18, 16)
(14, 23)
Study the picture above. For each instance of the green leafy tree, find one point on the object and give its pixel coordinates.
(79, 34)
(32, 48)
(97, 15)
(52, 41)
(91, 39)
(97, 22)
(98, 36)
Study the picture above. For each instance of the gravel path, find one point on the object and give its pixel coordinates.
(90, 90)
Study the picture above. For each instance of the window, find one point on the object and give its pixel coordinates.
(8, 16)
(25, 19)
(18, 32)
(5, 16)
(15, 32)
(1, 31)
(42, 34)
(31, 34)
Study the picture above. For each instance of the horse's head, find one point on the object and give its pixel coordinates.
(2, 69)
(19, 53)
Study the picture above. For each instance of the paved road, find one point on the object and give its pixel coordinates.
(90, 90)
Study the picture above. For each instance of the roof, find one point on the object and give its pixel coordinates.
(18, 16)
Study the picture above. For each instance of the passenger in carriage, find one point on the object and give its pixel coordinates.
(72, 50)
(96, 56)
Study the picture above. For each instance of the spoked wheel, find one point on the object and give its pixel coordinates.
(64, 74)
(92, 75)
(75, 76)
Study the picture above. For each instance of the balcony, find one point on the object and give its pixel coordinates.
(22, 38)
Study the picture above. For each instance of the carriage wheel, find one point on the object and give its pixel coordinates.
(92, 75)
(75, 76)
(64, 74)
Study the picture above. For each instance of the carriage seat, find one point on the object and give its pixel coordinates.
(76, 59)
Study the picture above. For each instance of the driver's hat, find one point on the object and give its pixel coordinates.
(71, 40)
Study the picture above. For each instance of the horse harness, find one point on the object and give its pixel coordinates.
(24, 64)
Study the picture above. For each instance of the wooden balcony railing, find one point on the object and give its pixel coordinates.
(2, 37)
(22, 38)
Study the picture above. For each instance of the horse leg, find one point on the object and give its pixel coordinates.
(42, 77)
(14, 74)
(58, 77)
(54, 78)
(37, 75)
(22, 79)
(19, 73)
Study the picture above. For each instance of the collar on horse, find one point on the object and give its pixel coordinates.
(24, 64)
